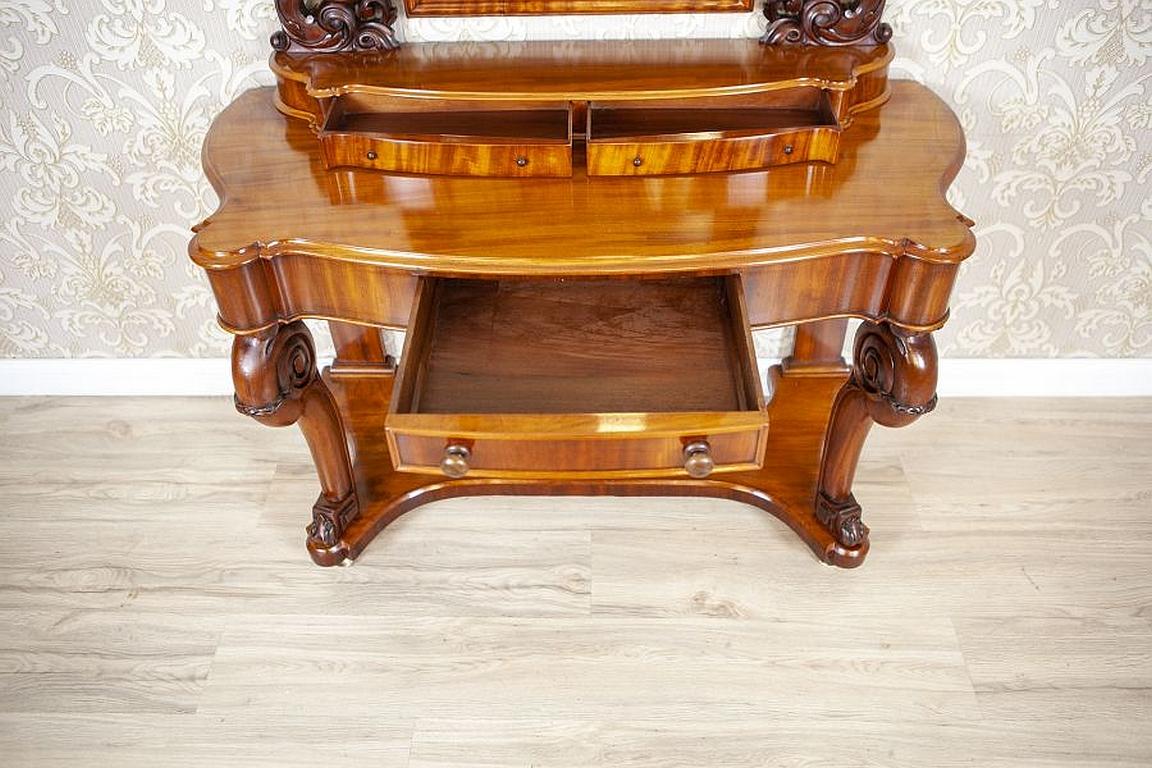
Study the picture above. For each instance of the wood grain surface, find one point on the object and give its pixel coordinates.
(1002, 622)
(884, 195)
(583, 346)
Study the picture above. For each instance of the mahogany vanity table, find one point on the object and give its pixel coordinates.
(579, 238)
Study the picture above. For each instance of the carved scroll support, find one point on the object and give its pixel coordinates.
(825, 22)
(277, 383)
(326, 26)
(893, 383)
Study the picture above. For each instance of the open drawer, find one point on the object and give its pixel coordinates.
(437, 137)
(578, 378)
(730, 133)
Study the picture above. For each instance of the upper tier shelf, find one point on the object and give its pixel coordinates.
(583, 70)
(637, 108)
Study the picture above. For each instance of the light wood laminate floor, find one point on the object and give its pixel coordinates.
(157, 607)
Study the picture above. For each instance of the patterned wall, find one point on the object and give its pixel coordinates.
(104, 104)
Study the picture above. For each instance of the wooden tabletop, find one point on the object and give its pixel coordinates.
(885, 194)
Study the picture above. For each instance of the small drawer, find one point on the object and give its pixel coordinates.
(576, 445)
(578, 379)
(711, 135)
(521, 142)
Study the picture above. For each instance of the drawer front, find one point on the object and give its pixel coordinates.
(737, 153)
(542, 448)
(456, 158)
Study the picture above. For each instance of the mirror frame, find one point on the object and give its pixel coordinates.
(418, 8)
(333, 26)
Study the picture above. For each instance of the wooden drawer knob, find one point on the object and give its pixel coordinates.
(455, 461)
(698, 459)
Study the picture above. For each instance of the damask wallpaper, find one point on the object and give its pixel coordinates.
(104, 104)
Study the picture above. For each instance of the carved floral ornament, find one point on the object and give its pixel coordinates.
(825, 22)
(323, 26)
(328, 26)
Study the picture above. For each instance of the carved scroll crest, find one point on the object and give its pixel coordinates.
(273, 371)
(327, 26)
(825, 22)
(895, 368)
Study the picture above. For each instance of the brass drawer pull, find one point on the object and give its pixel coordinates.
(455, 461)
(698, 461)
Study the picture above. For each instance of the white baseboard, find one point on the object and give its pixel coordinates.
(144, 376)
(200, 377)
(1065, 377)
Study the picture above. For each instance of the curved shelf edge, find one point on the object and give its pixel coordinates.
(510, 71)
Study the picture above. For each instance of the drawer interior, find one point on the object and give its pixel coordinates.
(577, 347)
(622, 137)
(516, 124)
(723, 117)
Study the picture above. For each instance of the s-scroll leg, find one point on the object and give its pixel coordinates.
(277, 383)
(893, 383)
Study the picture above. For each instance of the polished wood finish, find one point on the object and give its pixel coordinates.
(589, 334)
(277, 384)
(893, 383)
(784, 485)
(575, 70)
(784, 108)
(259, 293)
(652, 142)
(818, 348)
(359, 350)
(524, 143)
(580, 346)
(868, 212)
(578, 379)
(571, 448)
(700, 117)
(717, 134)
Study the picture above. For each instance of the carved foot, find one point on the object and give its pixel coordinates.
(842, 519)
(326, 531)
